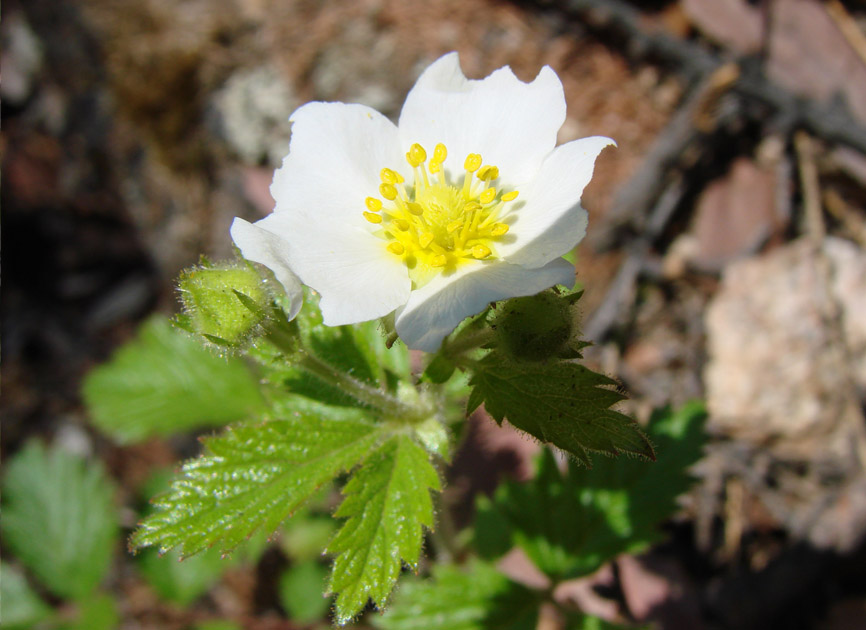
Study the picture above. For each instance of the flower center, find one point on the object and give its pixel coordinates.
(435, 225)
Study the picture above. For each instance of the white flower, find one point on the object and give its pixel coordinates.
(409, 218)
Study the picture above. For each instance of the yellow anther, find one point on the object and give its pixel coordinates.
(402, 224)
(471, 206)
(487, 195)
(480, 251)
(472, 162)
(510, 196)
(454, 226)
(373, 204)
(435, 167)
(488, 173)
(439, 261)
(425, 239)
(390, 177)
(396, 248)
(388, 191)
(415, 208)
(372, 217)
(499, 229)
(416, 155)
(440, 153)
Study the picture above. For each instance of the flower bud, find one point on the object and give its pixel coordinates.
(224, 303)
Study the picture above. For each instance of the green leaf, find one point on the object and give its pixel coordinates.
(22, 608)
(387, 501)
(182, 581)
(254, 476)
(300, 591)
(97, 612)
(475, 598)
(359, 350)
(59, 518)
(560, 402)
(593, 515)
(165, 382)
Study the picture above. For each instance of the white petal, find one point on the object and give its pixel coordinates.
(551, 221)
(268, 249)
(334, 159)
(433, 311)
(351, 269)
(512, 124)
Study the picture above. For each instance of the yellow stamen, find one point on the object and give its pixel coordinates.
(390, 177)
(440, 153)
(472, 162)
(480, 251)
(373, 204)
(488, 173)
(402, 224)
(416, 155)
(454, 226)
(499, 229)
(487, 195)
(388, 191)
(435, 166)
(372, 217)
(425, 239)
(396, 247)
(439, 260)
(510, 196)
(415, 208)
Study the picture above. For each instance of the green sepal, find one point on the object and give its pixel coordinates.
(539, 327)
(224, 303)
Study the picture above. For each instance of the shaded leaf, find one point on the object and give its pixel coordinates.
(477, 597)
(387, 501)
(254, 476)
(22, 608)
(559, 402)
(300, 591)
(593, 515)
(59, 518)
(166, 382)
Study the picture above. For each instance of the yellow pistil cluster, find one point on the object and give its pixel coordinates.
(435, 225)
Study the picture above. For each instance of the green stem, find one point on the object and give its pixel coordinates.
(469, 340)
(287, 340)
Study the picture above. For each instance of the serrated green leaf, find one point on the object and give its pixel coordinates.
(165, 382)
(477, 597)
(22, 608)
(387, 501)
(254, 476)
(300, 591)
(59, 518)
(560, 402)
(593, 515)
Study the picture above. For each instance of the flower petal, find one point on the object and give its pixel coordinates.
(334, 159)
(433, 311)
(551, 221)
(268, 249)
(512, 124)
(351, 269)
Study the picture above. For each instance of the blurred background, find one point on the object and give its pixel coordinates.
(725, 260)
